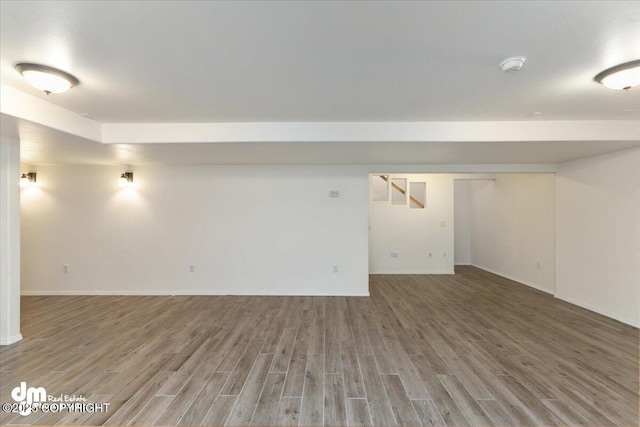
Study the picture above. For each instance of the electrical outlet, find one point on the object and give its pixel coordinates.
(538, 265)
(444, 254)
(336, 268)
(192, 269)
(394, 255)
(65, 268)
(334, 193)
(430, 255)
(443, 223)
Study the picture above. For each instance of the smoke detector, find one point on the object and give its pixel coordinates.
(513, 64)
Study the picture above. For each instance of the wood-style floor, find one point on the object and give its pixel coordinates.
(469, 349)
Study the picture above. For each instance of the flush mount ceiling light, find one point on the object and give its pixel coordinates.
(47, 79)
(513, 64)
(621, 77)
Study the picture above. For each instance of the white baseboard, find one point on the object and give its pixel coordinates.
(11, 340)
(570, 300)
(462, 263)
(188, 293)
(515, 279)
(413, 272)
(606, 313)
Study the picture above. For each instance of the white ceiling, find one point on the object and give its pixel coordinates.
(326, 61)
(335, 61)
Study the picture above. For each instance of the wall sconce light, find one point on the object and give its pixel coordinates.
(126, 179)
(27, 179)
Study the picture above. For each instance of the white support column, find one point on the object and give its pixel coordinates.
(9, 241)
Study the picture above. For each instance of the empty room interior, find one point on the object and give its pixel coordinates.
(320, 213)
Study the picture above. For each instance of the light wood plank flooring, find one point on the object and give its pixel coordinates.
(469, 349)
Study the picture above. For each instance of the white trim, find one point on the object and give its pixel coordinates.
(299, 132)
(465, 169)
(413, 272)
(463, 263)
(21, 105)
(570, 300)
(515, 279)
(192, 293)
(11, 340)
(601, 311)
(9, 240)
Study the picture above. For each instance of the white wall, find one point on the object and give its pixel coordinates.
(9, 241)
(512, 228)
(247, 230)
(598, 234)
(273, 229)
(462, 221)
(413, 233)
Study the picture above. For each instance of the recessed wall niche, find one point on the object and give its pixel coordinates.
(380, 188)
(417, 195)
(399, 197)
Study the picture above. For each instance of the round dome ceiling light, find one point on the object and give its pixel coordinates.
(621, 77)
(513, 64)
(47, 79)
